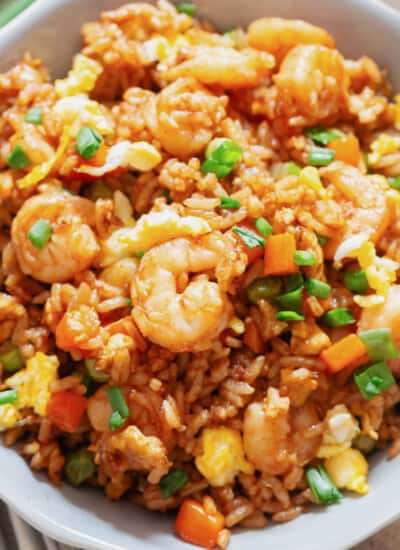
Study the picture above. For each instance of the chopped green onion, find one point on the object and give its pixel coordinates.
(117, 400)
(250, 239)
(379, 344)
(224, 151)
(33, 116)
(211, 166)
(293, 169)
(173, 482)
(317, 288)
(221, 156)
(40, 233)
(320, 157)
(18, 159)
(364, 443)
(97, 375)
(356, 281)
(8, 396)
(337, 317)
(322, 240)
(291, 301)
(99, 190)
(139, 254)
(79, 466)
(116, 421)
(187, 8)
(289, 316)
(228, 202)
(88, 142)
(86, 381)
(322, 486)
(11, 359)
(128, 302)
(374, 379)
(263, 288)
(263, 227)
(304, 257)
(395, 182)
(294, 281)
(321, 135)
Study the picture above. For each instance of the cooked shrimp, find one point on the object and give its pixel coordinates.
(364, 203)
(277, 36)
(311, 86)
(186, 320)
(72, 246)
(276, 438)
(305, 443)
(184, 116)
(266, 429)
(132, 450)
(224, 67)
(386, 315)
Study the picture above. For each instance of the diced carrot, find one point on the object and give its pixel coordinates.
(100, 157)
(65, 409)
(348, 351)
(196, 526)
(279, 250)
(346, 149)
(253, 254)
(252, 337)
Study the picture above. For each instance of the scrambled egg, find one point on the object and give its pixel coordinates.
(223, 456)
(380, 271)
(88, 112)
(159, 48)
(340, 429)
(309, 177)
(349, 470)
(32, 383)
(383, 145)
(140, 155)
(9, 416)
(151, 229)
(158, 227)
(81, 78)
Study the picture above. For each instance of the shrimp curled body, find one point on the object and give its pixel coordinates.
(72, 246)
(180, 321)
(275, 437)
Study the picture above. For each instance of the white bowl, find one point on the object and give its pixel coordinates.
(84, 518)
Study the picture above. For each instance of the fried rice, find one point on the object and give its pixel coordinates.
(200, 249)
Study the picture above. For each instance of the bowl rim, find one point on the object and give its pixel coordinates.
(56, 529)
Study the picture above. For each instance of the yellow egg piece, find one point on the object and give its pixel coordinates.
(349, 470)
(223, 456)
(9, 416)
(32, 383)
(81, 78)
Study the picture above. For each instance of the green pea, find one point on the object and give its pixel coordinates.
(11, 358)
(79, 466)
(264, 288)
